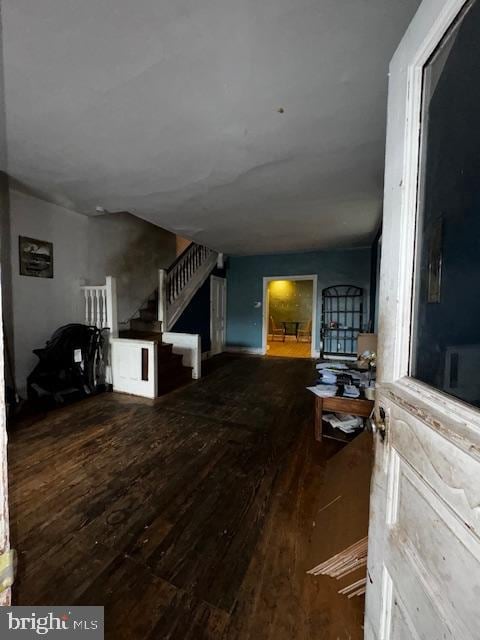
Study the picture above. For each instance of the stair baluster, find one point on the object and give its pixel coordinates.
(180, 282)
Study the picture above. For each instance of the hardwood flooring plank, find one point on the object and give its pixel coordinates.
(289, 349)
(185, 516)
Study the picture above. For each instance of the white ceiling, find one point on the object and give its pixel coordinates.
(172, 108)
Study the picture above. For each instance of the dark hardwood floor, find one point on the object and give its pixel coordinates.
(187, 517)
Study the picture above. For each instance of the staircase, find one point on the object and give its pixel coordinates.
(177, 286)
(182, 280)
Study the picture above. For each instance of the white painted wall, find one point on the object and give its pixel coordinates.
(85, 250)
(132, 250)
(182, 244)
(41, 305)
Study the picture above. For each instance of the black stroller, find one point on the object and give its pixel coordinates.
(72, 362)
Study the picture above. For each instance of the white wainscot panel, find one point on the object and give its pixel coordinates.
(127, 358)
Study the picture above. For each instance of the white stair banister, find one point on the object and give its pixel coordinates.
(178, 284)
(181, 281)
(111, 308)
(101, 305)
(94, 295)
(162, 295)
(101, 312)
(86, 294)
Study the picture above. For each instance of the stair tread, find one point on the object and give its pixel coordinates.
(169, 366)
(150, 336)
(182, 369)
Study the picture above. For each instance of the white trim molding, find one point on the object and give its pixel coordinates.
(266, 280)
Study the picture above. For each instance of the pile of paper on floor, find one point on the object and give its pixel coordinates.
(344, 421)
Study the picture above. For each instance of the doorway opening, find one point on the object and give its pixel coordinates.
(290, 316)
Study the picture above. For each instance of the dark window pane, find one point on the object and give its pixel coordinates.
(446, 323)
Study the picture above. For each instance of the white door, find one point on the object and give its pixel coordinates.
(423, 578)
(218, 313)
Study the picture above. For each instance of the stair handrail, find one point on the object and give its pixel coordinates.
(181, 255)
(155, 291)
(172, 282)
(180, 272)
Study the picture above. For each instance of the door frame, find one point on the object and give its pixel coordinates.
(265, 306)
(224, 339)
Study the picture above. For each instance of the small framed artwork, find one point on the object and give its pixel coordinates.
(435, 264)
(35, 257)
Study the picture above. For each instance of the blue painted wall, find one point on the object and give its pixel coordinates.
(245, 285)
(196, 317)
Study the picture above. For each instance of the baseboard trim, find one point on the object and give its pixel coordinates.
(253, 351)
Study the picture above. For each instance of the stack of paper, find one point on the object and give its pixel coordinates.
(350, 391)
(331, 365)
(324, 390)
(343, 421)
(328, 376)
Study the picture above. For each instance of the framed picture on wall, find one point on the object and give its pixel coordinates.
(35, 257)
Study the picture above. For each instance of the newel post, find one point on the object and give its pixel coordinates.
(112, 308)
(162, 298)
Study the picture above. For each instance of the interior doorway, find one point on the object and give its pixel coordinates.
(290, 316)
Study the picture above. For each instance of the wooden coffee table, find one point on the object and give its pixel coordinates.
(355, 406)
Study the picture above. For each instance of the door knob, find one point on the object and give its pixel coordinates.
(378, 423)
